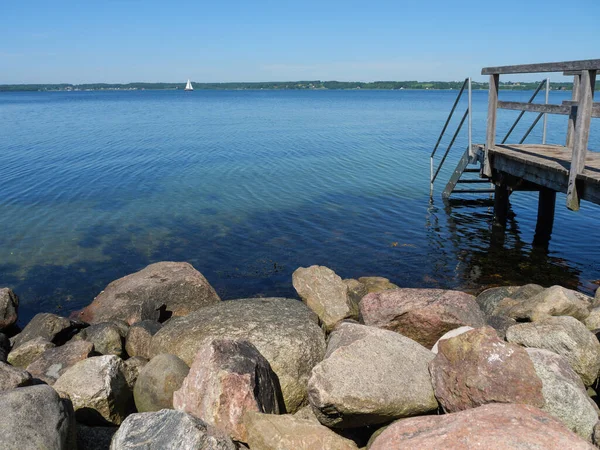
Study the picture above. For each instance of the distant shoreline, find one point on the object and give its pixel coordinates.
(289, 85)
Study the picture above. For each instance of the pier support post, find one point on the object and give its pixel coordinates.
(500, 205)
(545, 217)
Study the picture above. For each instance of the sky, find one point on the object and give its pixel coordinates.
(125, 41)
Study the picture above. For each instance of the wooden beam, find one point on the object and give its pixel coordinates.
(490, 139)
(536, 107)
(573, 114)
(581, 135)
(595, 107)
(564, 66)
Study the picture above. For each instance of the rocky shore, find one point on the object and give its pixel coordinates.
(158, 361)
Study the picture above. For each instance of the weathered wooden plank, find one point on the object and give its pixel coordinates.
(564, 66)
(536, 107)
(573, 114)
(581, 135)
(490, 139)
(595, 107)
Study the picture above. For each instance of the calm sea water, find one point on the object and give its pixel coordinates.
(250, 185)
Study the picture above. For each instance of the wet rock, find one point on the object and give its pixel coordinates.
(476, 368)
(94, 438)
(377, 284)
(28, 352)
(175, 286)
(564, 394)
(13, 377)
(495, 426)
(450, 334)
(500, 324)
(139, 336)
(169, 430)
(356, 290)
(98, 390)
(35, 417)
(554, 301)
(106, 338)
(9, 306)
(325, 293)
(4, 347)
(276, 432)
(284, 331)
(423, 315)
(132, 368)
(345, 392)
(51, 364)
(566, 336)
(488, 300)
(226, 380)
(51, 327)
(157, 381)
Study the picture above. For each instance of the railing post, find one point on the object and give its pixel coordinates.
(490, 140)
(546, 114)
(581, 134)
(470, 124)
(573, 115)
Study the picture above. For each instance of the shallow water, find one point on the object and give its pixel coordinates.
(250, 185)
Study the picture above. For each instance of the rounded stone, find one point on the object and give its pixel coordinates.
(157, 381)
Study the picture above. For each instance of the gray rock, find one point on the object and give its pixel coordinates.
(377, 284)
(284, 331)
(98, 390)
(364, 381)
(94, 438)
(325, 293)
(4, 347)
(13, 377)
(132, 368)
(35, 417)
(500, 324)
(566, 336)
(51, 327)
(122, 326)
(51, 364)
(356, 290)
(28, 352)
(139, 336)
(175, 286)
(169, 430)
(488, 300)
(226, 380)
(157, 381)
(9, 307)
(592, 322)
(105, 336)
(564, 393)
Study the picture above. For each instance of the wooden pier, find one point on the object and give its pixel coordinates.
(570, 168)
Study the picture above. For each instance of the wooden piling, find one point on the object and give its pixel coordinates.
(545, 217)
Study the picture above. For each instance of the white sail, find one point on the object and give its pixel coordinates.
(188, 86)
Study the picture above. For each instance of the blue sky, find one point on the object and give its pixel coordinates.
(124, 41)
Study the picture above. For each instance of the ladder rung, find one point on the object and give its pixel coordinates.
(477, 180)
(473, 191)
(472, 170)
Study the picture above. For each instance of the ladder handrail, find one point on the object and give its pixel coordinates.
(449, 117)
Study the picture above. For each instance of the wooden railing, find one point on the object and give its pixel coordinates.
(580, 110)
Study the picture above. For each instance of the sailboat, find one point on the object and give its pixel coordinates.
(188, 86)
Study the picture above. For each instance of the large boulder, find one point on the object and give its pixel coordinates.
(98, 390)
(564, 393)
(490, 427)
(476, 368)
(283, 330)
(273, 432)
(9, 307)
(168, 430)
(176, 287)
(28, 352)
(13, 377)
(488, 300)
(372, 376)
(139, 336)
(35, 417)
(53, 328)
(106, 338)
(325, 293)
(554, 301)
(227, 379)
(423, 315)
(566, 336)
(157, 381)
(592, 322)
(51, 364)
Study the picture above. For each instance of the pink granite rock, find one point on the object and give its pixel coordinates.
(423, 315)
(490, 427)
(476, 368)
(227, 379)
